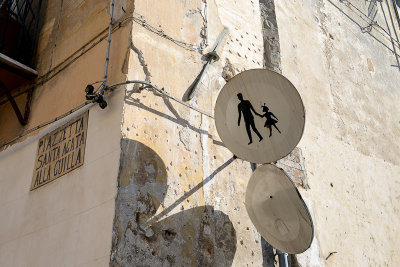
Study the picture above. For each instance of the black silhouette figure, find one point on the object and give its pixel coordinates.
(270, 121)
(245, 107)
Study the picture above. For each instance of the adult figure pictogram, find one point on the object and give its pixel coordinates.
(246, 108)
(270, 121)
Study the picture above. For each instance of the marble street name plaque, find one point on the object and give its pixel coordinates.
(60, 151)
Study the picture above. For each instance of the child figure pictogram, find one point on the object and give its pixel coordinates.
(270, 121)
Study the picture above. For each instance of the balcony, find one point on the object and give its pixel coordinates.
(19, 28)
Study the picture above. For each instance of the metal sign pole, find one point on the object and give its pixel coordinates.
(283, 258)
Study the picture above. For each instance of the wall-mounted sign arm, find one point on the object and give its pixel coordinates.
(209, 57)
(160, 91)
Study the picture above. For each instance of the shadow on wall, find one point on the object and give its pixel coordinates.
(359, 18)
(178, 119)
(199, 236)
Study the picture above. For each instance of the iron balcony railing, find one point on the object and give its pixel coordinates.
(19, 23)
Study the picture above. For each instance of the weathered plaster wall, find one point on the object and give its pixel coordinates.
(272, 55)
(68, 30)
(70, 25)
(181, 194)
(349, 83)
(67, 222)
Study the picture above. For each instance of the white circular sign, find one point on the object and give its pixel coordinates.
(259, 116)
(277, 210)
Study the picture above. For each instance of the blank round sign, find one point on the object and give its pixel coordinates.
(259, 116)
(277, 210)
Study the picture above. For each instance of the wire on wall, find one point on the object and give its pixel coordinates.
(370, 24)
(98, 95)
(108, 49)
(111, 88)
(139, 19)
(191, 47)
(163, 92)
(46, 123)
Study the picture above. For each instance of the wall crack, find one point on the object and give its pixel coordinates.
(142, 62)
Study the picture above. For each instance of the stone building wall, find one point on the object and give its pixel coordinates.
(348, 76)
(181, 193)
(67, 222)
(158, 187)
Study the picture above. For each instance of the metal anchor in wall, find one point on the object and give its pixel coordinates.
(210, 58)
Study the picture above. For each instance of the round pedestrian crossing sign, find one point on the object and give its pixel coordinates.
(259, 116)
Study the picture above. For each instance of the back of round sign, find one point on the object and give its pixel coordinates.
(259, 116)
(278, 211)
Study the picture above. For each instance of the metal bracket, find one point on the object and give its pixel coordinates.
(210, 58)
(368, 28)
(22, 119)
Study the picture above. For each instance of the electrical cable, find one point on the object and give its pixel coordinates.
(148, 84)
(387, 24)
(163, 92)
(139, 20)
(102, 86)
(101, 81)
(47, 123)
(117, 25)
(371, 24)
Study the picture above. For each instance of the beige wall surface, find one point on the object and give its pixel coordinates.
(349, 83)
(67, 222)
(70, 56)
(70, 25)
(181, 195)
